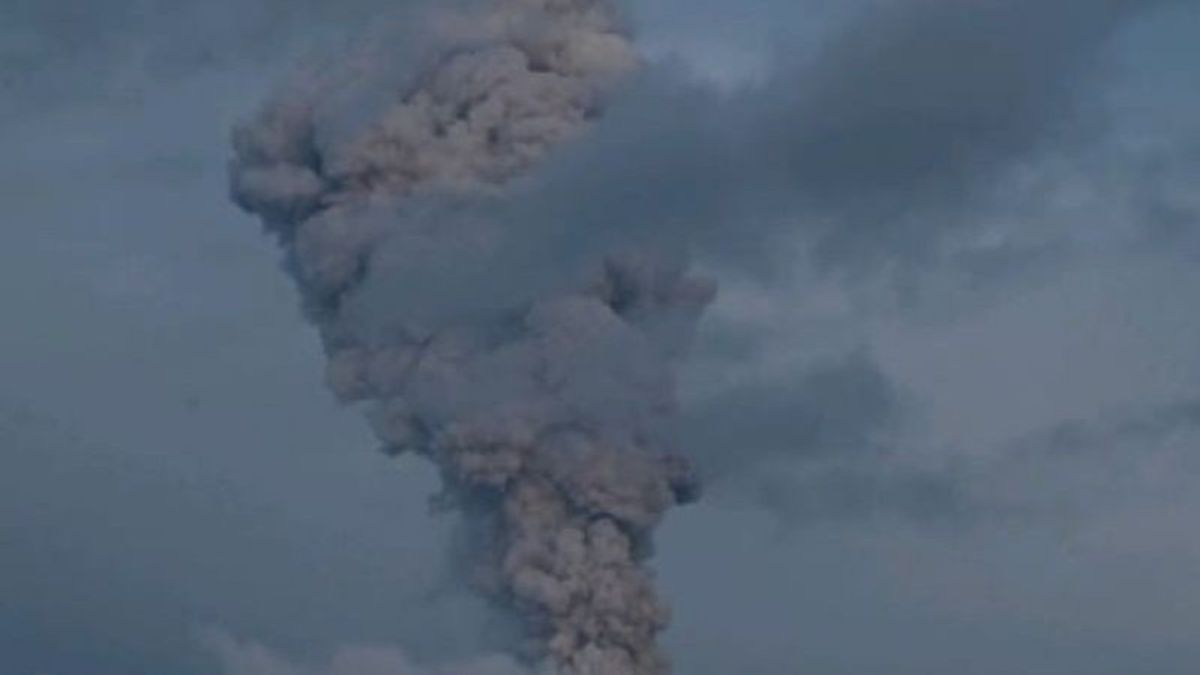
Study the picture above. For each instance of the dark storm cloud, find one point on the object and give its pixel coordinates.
(1083, 468)
(893, 135)
(842, 491)
(1162, 186)
(1080, 439)
(927, 94)
(1071, 474)
(1078, 470)
(902, 116)
(843, 407)
(820, 444)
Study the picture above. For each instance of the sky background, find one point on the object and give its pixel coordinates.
(948, 401)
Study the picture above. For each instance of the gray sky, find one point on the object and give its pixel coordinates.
(948, 401)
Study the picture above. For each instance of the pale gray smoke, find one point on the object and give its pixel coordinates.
(542, 398)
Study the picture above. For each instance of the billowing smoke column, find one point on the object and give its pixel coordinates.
(544, 407)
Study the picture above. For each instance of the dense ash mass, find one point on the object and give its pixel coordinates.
(545, 415)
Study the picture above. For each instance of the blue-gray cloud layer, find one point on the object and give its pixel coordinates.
(957, 243)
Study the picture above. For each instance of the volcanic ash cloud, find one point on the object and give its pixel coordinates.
(544, 399)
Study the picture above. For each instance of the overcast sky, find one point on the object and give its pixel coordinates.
(947, 403)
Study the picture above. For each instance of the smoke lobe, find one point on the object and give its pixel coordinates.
(545, 408)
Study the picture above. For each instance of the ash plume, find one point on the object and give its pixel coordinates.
(543, 398)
